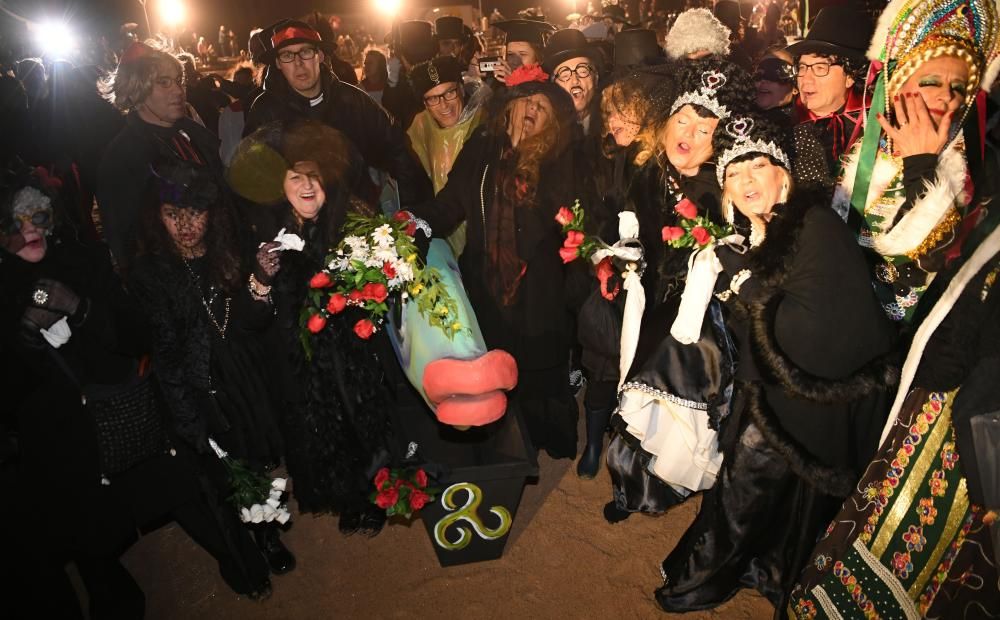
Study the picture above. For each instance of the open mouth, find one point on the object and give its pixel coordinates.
(307, 196)
(751, 196)
(683, 148)
(576, 92)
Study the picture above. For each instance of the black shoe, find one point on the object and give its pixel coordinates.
(350, 521)
(279, 559)
(261, 592)
(614, 514)
(372, 521)
(590, 462)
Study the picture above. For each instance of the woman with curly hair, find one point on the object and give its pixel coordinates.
(507, 184)
(337, 406)
(663, 445)
(207, 316)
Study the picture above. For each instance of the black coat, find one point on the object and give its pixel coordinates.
(125, 177)
(70, 510)
(348, 109)
(534, 329)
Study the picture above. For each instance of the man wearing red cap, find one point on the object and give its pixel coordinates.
(300, 85)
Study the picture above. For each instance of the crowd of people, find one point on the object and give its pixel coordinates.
(775, 291)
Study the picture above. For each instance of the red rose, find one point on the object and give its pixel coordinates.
(700, 235)
(316, 323)
(564, 216)
(672, 233)
(574, 239)
(568, 255)
(418, 499)
(320, 280)
(406, 216)
(354, 296)
(336, 304)
(389, 270)
(375, 291)
(364, 329)
(387, 499)
(686, 209)
(381, 478)
(421, 478)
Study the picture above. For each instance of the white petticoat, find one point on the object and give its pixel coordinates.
(685, 451)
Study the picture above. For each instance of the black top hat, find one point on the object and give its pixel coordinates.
(441, 70)
(837, 30)
(291, 32)
(566, 44)
(729, 13)
(416, 41)
(449, 27)
(615, 13)
(527, 30)
(636, 47)
(531, 15)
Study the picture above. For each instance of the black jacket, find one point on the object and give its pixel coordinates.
(535, 328)
(350, 110)
(125, 176)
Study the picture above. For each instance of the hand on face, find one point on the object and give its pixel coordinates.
(528, 117)
(925, 107)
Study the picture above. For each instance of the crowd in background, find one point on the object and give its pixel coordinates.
(790, 311)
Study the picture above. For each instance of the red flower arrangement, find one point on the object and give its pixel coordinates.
(693, 231)
(400, 491)
(577, 244)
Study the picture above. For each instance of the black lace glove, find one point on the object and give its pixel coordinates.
(55, 297)
(267, 264)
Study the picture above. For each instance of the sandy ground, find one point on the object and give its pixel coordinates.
(562, 560)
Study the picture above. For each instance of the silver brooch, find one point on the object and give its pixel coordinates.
(432, 73)
(40, 297)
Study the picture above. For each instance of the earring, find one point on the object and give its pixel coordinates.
(783, 198)
(727, 210)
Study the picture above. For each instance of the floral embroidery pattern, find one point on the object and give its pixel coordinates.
(928, 413)
(914, 538)
(901, 564)
(927, 511)
(941, 574)
(938, 484)
(822, 561)
(948, 455)
(851, 583)
(805, 609)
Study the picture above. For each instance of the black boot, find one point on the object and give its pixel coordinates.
(279, 559)
(590, 462)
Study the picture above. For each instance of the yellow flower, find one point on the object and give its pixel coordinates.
(456, 326)
(441, 309)
(412, 258)
(416, 288)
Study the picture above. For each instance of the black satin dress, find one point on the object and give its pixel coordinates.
(701, 372)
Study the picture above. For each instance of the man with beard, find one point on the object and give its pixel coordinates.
(300, 85)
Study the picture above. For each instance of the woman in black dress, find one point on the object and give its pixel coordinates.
(507, 184)
(337, 400)
(812, 381)
(207, 318)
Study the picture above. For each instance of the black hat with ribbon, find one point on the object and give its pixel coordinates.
(441, 70)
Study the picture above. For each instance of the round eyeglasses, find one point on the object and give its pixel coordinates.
(582, 70)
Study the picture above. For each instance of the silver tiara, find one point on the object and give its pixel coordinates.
(711, 82)
(740, 129)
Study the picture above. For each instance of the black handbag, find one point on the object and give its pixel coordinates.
(128, 420)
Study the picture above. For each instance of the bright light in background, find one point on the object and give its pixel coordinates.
(172, 12)
(388, 8)
(54, 37)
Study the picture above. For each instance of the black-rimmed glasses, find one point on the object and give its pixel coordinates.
(448, 95)
(306, 53)
(819, 69)
(582, 70)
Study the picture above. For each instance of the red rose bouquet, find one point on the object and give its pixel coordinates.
(693, 230)
(402, 491)
(377, 260)
(577, 243)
